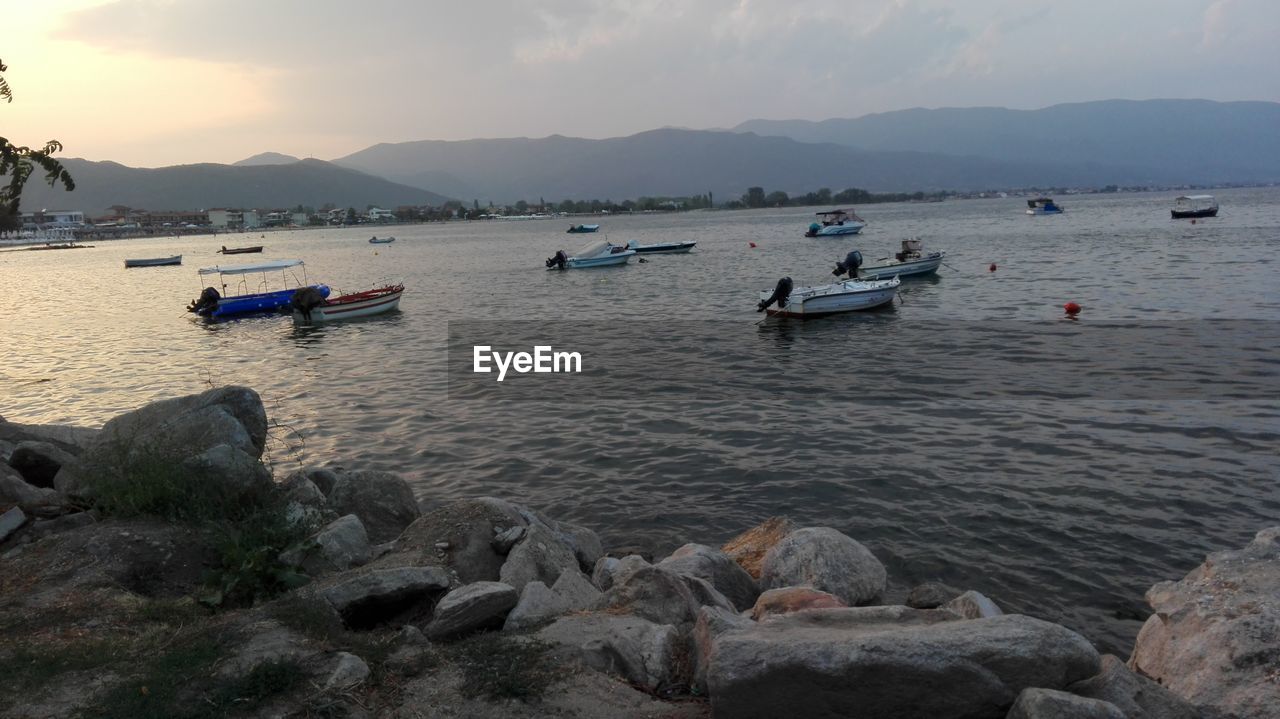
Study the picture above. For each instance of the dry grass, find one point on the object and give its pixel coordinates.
(748, 549)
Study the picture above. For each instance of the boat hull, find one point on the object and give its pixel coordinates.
(666, 248)
(836, 298)
(259, 303)
(582, 229)
(351, 307)
(913, 268)
(1193, 214)
(1042, 211)
(155, 262)
(239, 250)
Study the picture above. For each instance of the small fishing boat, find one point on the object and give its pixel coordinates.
(309, 306)
(821, 300)
(239, 250)
(1043, 206)
(835, 223)
(578, 229)
(154, 262)
(381, 240)
(912, 261)
(661, 248)
(1194, 206)
(595, 254)
(242, 298)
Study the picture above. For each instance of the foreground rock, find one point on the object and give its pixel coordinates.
(1135, 695)
(875, 661)
(483, 605)
(380, 596)
(1215, 636)
(822, 558)
(383, 501)
(793, 599)
(17, 492)
(39, 462)
(716, 568)
(1054, 704)
(339, 546)
(633, 648)
(11, 521)
(219, 434)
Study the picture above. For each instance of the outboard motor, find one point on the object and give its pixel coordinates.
(558, 261)
(207, 300)
(814, 229)
(305, 300)
(851, 263)
(780, 294)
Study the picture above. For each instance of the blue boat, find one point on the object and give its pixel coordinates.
(1043, 206)
(236, 300)
(578, 229)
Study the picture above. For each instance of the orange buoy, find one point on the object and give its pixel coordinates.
(752, 244)
(1072, 308)
(992, 268)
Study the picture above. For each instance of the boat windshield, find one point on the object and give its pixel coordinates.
(591, 249)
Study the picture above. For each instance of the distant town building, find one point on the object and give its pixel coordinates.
(377, 214)
(234, 219)
(52, 219)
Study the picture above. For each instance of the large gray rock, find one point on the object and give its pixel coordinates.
(379, 596)
(383, 501)
(1213, 639)
(714, 566)
(822, 558)
(538, 605)
(630, 647)
(481, 605)
(1135, 695)
(16, 492)
(655, 594)
(219, 434)
(609, 570)
(540, 556)
(875, 661)
(39, 462)
(339, 546)
(466, 528)
(793, 599)
(712, 622)
(11, 521)
(1038, 703)
(578, 593)
(322, 478)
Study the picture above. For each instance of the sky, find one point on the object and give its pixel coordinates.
(159, 82)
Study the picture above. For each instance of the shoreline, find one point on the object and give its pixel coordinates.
(729, 630)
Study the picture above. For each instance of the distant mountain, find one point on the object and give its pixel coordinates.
(266, 158)
(100, 185)
(674, 162)
(1176, 141)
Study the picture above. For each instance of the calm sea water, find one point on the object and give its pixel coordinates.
(1064, 509)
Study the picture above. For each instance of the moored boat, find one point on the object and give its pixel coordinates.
(1194, 206)
(239, 250)
(381, 240)
(835, 223)
(578, 229)
(911, 261)
(1043, 206)
(821, 300)
(238, 300)
(595, 254)
(661, 248)
(310, 307)
(154, 261)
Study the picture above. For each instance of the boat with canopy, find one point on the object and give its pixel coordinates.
(246, 288)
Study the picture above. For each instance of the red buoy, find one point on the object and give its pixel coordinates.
(752, 244)
(992, 268)
(1072, 308)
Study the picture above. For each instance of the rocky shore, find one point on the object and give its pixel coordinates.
(156, 568)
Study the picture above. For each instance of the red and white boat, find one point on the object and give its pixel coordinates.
(357, 304)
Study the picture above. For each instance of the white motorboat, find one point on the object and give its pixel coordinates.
(912, 261)
(314, 308)
(662, 248)
(1194, 206)
(820, 300)
(596, 254)
(835, 223)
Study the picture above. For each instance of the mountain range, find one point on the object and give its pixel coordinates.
(99, 185)
(1112, 142)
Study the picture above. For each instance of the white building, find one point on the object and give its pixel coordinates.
(377, 214)
(234, 219)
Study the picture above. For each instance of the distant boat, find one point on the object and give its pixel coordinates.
(1043, 206)
(154, 262)
(381, 240)
(1192, 206)
(577, 229)
(239, 250)
(835, 223)
(661, 248)
(596, 254)
(313, 308)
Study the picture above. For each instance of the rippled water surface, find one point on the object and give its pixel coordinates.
(1065, 509)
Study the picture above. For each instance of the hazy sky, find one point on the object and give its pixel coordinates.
(156, 82)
